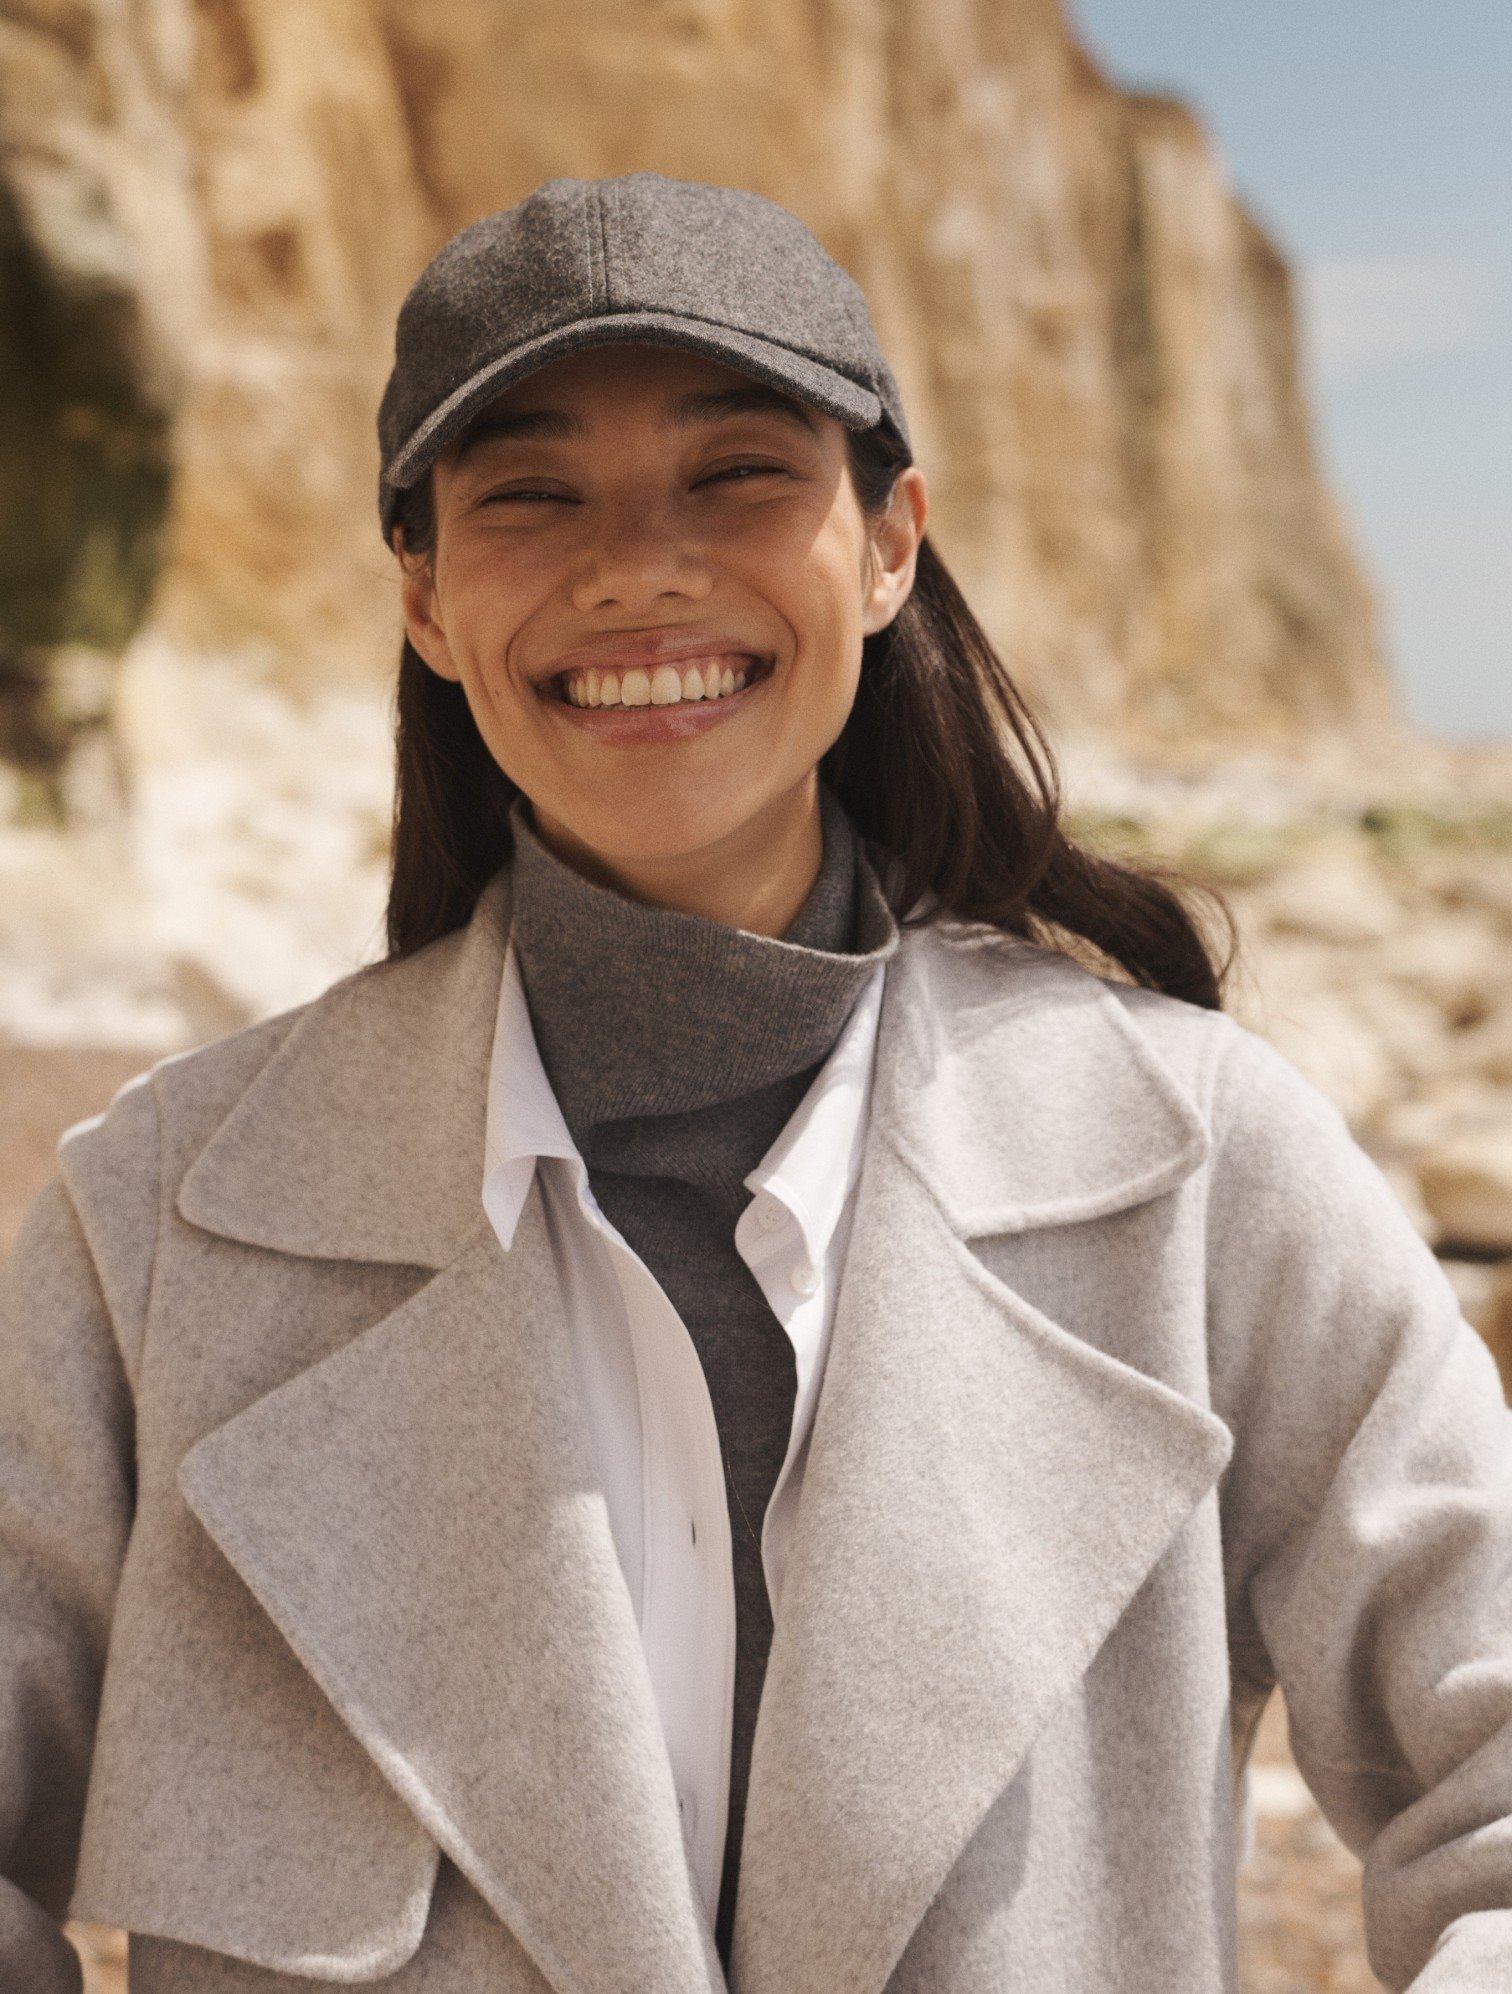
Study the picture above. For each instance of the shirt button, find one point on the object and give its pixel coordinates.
(805, 1277)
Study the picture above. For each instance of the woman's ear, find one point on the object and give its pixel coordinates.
(417, 595)
(894, 549)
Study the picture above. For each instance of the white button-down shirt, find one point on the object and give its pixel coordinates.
(650, 1417)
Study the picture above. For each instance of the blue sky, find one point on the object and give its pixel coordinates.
(1370, 137)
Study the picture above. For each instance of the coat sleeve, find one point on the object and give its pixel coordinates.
(73, 1302)
(1367, 1519)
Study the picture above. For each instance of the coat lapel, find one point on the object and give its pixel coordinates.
(985, 1492)
(418, 1514)
(416, 1510)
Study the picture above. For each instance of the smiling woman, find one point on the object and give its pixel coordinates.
(682, 668)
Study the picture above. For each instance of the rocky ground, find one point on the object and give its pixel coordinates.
(1374, 907)
(1299, 1894)
(1374, 902)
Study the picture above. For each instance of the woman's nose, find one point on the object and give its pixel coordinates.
(638, 552)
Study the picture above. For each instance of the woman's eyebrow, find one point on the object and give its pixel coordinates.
(530, 425)
(713, 403)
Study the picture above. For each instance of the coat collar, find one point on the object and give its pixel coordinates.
(1022, 1094)
(418, 1513)
(362, 1136)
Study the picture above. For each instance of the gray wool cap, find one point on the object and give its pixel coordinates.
(716, 270)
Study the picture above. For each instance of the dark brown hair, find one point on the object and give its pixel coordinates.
(940, 766)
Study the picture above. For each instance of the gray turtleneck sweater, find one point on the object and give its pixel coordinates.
(679, 1048)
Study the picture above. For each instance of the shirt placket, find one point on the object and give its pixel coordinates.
(793, 1277)
(688, 1593)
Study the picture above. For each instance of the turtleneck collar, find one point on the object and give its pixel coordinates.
(645, 1010)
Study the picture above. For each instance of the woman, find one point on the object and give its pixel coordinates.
(410, 1585)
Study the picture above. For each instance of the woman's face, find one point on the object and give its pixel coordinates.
(633, 499)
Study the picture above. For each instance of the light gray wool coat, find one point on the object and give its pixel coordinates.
(317, 1665)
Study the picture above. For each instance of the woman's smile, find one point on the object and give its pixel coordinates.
(660, 717)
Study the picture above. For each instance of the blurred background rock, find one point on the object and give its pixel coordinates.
(209, 211)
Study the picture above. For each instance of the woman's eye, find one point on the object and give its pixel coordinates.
(733, 470)
(738, 472)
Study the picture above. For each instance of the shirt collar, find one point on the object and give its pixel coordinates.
(815, 1161)
(813, 1165)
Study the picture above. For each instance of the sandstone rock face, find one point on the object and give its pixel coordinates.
(1094, 336)
(97, 267)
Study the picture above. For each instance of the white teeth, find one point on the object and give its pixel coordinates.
(668, 685)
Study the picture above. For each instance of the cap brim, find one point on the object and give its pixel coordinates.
(779, 366)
